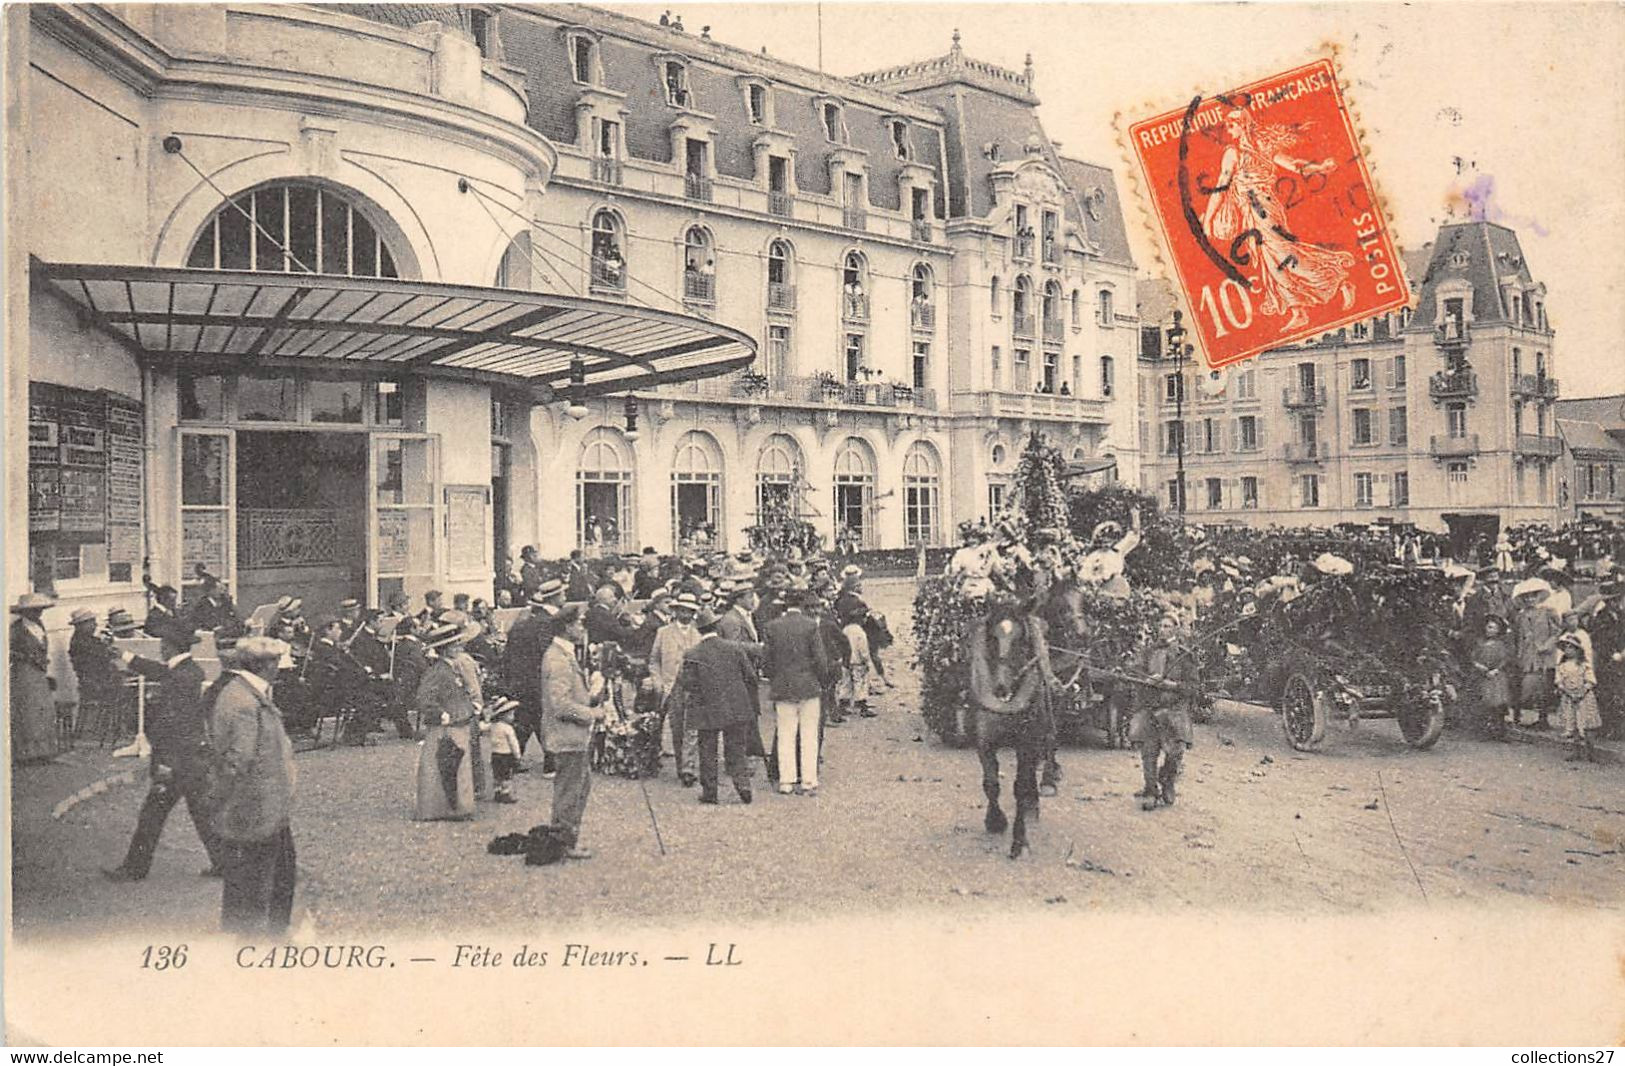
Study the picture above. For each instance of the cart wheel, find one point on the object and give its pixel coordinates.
(1422, 722)
(1303, 712)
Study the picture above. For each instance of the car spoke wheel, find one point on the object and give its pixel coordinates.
(1303, 713)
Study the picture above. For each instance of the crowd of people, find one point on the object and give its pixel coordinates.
(752, 655)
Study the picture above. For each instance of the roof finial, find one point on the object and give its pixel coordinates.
(956, 48)
(1027, 70)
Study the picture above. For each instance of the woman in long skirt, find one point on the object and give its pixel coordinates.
(445, 772)
(33, 707)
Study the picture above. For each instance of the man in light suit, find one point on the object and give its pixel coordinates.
(797, 668)
(671, 643)
(572, 703)
(719, 678)
(254, 794)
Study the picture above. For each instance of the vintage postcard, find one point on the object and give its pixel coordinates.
(832, 524)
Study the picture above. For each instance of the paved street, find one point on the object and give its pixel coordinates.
(898, 825)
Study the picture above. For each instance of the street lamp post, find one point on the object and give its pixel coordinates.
(1177, 345)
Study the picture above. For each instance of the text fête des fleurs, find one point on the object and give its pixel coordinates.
(477, 956)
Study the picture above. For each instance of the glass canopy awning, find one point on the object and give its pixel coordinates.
(234, 321)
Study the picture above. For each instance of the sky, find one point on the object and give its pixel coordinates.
(1523, 104)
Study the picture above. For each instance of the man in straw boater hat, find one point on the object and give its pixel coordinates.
(101, 687)
(574, 704)
(672, 642)
(33, 705)
(252, 798)
(798, 670)
(177, 728)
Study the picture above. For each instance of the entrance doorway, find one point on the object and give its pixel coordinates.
(301, 518)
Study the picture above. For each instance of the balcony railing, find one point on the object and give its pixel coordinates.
(1301, 396)
(854, 218)
(1001, 404)
(1453, 384)
(697, 187)
(1451, 334)
(606, 170)
(855, 307)
(608, 274)
(1304, 451)
(699, 287)
(781, 296)
(1539, 446)
(921, 228)
(1538, 386)
(923, 315)
(1024, 324)
(780, 203)
(1450, 447)
(1024, 246)
(1054, 331)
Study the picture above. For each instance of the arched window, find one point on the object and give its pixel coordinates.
(1052, 302)
(781, 276)
(604, 492)
(921, 284)
(1021, 306)
(855, 287)
(514, 272)
(995, 297)
(324, 232)
(855, 494)
(699, 266)
(778, 480)
(608, 254)
(696, 493)
(922, 313)
(922, 494)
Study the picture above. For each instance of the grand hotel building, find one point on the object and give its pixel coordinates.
(350, 301)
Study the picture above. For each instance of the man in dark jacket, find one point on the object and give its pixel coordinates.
(720, 681)
(797, 667)
(101, 687)
(605, 621)
(530, 570)
(1162, 718)
(410, 661)
(180, 753)
(338, 681)
(578, 582)
(646, 582)
(528, 638)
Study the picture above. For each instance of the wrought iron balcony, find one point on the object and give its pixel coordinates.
(697, 187)
(608, 274)
(1452, 334)
(1453, 385)
(1024, 246)
(855, 218)
(1304, 451)
(606, 170)
(1301, 396)
(1537, 386)
(922, 315)
(1054, 331)
(781, 296)
(921, 229)
(780, 203)
(1024, 324)
(1539, 446)
(855, 307)
(1451, 447)
(699, 287)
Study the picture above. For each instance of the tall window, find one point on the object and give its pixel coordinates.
(1022, 305)
(899, 138)
(1103, 308)
(1108, 376)
(676, 78)
(756, 97)
(608, 258)
(995, 297)
(1360, 373)
(699, 266)
(1402, 488)
(781, 288)
(581, 59)
(1398, 428)
(1247, 433)
(854, 356)
(834, 123)
(1396, 372)
(1246, 384)
(604, 492)
(855, 494)
(696, 493)
(778, 354)
(1363, 494)
(922, 312)
(1249, 493)
(1456, 419)
(321, 229)
(1362, 426)
(922, 365)
(1309, 490)
(1173, 388)
(995, 367)
(778, 478)
(1215, 494)
(922, 490)
(1076, 302)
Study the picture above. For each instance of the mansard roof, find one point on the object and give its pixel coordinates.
(1479, 253)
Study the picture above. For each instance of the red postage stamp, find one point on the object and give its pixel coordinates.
(1269, 213)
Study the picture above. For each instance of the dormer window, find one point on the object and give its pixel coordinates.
(483, 25)
(898, 129)
(834, 122)
(756, 102)
(583, 64)
(675, 75)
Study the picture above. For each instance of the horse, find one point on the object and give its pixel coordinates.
(1008, 667)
